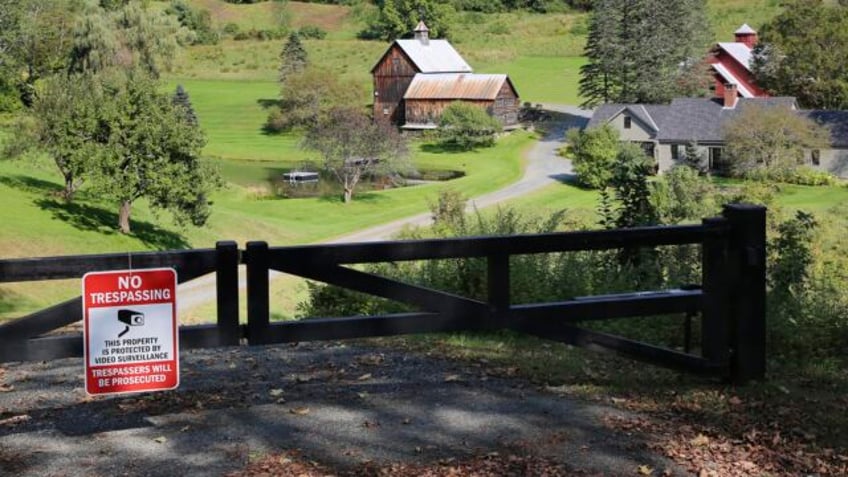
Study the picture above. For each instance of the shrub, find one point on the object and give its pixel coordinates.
(465, 126)
(231, 29)
(801, 175)
(197, 20)
(593, 152)
(312, 32)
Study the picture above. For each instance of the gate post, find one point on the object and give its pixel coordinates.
(747, 252)
(715, 272)
(226, 284)
(258, 314)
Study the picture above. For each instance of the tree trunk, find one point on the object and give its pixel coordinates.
(70, 188)
(348, 195)
(124, 217)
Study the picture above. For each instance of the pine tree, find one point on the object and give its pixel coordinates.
(293, 57)
(598, 77)
(638, 50)
(181, 100)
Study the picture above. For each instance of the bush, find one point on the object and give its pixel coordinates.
(593, 152)
(197, 20)
(465, 126)
(801, 175)
(231, 29)
(312, 32)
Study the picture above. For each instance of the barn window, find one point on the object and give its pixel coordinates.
(627, 122)
(815, 155)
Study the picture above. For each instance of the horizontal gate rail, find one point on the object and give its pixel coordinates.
(730, 298)
(21, 340)
(484, 246)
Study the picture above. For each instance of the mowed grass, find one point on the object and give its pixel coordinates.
(232, 114)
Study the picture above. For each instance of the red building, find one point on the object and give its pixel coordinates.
(731, 65)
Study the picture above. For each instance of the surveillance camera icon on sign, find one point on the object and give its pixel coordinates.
(130, 318)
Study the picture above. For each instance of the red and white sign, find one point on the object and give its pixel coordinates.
(130, 331)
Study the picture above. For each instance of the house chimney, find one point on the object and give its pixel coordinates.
(730, 95)
(747, 35)
(422, 33)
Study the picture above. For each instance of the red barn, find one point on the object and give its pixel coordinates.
(731, 65)
(416, 79)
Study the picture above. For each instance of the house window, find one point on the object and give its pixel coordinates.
(815, 155)
(627, 122)
(675, 152)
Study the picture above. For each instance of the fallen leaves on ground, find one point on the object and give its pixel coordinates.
(293, 464)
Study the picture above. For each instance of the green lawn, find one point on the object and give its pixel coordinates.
(543, 79)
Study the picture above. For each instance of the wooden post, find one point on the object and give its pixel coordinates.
(716, 286)
(226, 284)
(258, 314)
(747, 250)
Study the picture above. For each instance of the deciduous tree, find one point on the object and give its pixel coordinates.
(398, 18)
(306, 96)
(593, 152)
(770, 139)
(803, 52)
(67, 126)
(465, 126)
(151, 151)
(353, 146)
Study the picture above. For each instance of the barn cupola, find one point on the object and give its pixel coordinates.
(747, 35)
(422, 33)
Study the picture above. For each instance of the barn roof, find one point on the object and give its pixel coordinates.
(739, 51)
(434, 56)
(457, 86)
(731, 78)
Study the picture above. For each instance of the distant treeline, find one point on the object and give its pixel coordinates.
(485, 6)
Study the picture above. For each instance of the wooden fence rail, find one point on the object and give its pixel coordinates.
(730, 297)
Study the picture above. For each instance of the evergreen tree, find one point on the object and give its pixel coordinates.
(293, 57)
(182, 101)
(694, 158)
(638, 50)
(598, 77)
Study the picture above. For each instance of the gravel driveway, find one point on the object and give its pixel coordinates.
(339, 404)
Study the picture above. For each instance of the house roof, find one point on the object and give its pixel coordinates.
(745, 29)
(835, 121)
(694, 119)
(729, 77)
(739, 52)
(434, 56)
(456, 86)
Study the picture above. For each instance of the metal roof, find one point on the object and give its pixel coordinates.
(739, 51)
(434, 56)
(729, 77)
(745, 29)
(455, 86)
